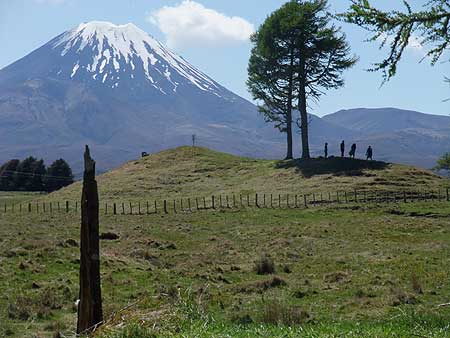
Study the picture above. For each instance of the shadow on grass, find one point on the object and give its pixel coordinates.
(333, 165)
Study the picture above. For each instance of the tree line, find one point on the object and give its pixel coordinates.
(299, 53)
(31, 174)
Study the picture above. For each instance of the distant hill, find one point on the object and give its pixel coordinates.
(184, 172)
(400, 136)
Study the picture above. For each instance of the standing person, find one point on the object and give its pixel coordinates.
(369, 153)
(352, 152)
(342, 148)
(326, 150)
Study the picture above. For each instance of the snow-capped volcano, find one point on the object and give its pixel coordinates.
(112, 54)
(122, 91)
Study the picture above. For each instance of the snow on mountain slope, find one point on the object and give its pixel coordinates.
(125, 50)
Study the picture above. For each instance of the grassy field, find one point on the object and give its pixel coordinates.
(343, 270)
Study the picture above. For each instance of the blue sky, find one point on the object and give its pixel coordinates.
(221, 50)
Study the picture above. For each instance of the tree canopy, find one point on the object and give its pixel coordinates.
(298, 53)
(397, 28)
(32, 175)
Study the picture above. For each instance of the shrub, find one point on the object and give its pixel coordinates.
(416, 285)
(265, 265)
(277, 312)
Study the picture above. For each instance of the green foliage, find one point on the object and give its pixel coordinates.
(298, 54)
(396, 29)
(32, 175)
(59, 174)
(443, 163)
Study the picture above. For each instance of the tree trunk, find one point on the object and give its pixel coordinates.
(90, 312)
(289, 154)
(303, 111)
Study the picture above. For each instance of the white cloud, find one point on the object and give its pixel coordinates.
(414, 43)
(192, 24)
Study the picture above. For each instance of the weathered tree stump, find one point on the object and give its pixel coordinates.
(90, 313)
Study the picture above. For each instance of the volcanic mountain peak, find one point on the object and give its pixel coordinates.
(109, 51)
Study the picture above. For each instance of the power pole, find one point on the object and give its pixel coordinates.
(193, 143)
(90, 313)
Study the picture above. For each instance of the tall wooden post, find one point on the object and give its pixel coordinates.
(90, 312)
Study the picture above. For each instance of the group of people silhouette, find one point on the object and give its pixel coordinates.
(352, 152)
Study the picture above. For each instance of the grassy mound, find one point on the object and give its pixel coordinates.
(187, 172)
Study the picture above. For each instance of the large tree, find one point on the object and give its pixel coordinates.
(320, 54)
(272, 72)
(396, 28)
(59, 174)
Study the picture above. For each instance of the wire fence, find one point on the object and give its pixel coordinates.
(231, 202)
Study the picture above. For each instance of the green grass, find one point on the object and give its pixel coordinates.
(342, 270)
(184, 172)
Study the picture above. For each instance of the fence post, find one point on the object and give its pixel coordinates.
(329, 197)
(248, 200)
(165, 207)
(256, 200)
(76, 206)
(67, 206)
(115, 209)
(58, 206)
(204, 203)
(234, 201)
(240, 198)
(181, 206)
(139, 208)
(148, 208)
(51, 208)
(174, 206)
(448, 196)
(106, 208)
(279, 201)
(264, 200)
(29, 207)
(296, 204)
(189, 204)
(90, 306)
(337, 196)
(404, 196)
(228, 204)
(37, 207)
(123, 208)
(345, 195)
(220, 201)
(271, 201)
(213, 204)
(196, 202)
(156, 207)
(131, 209)
(305, 201)
(20, 207)
(287, 201)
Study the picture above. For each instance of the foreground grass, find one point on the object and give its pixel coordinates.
(343, 270)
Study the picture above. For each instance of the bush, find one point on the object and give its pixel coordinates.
(277, 312)
(265, 265)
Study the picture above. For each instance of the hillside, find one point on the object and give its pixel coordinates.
(397, 135)
(186, 172)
